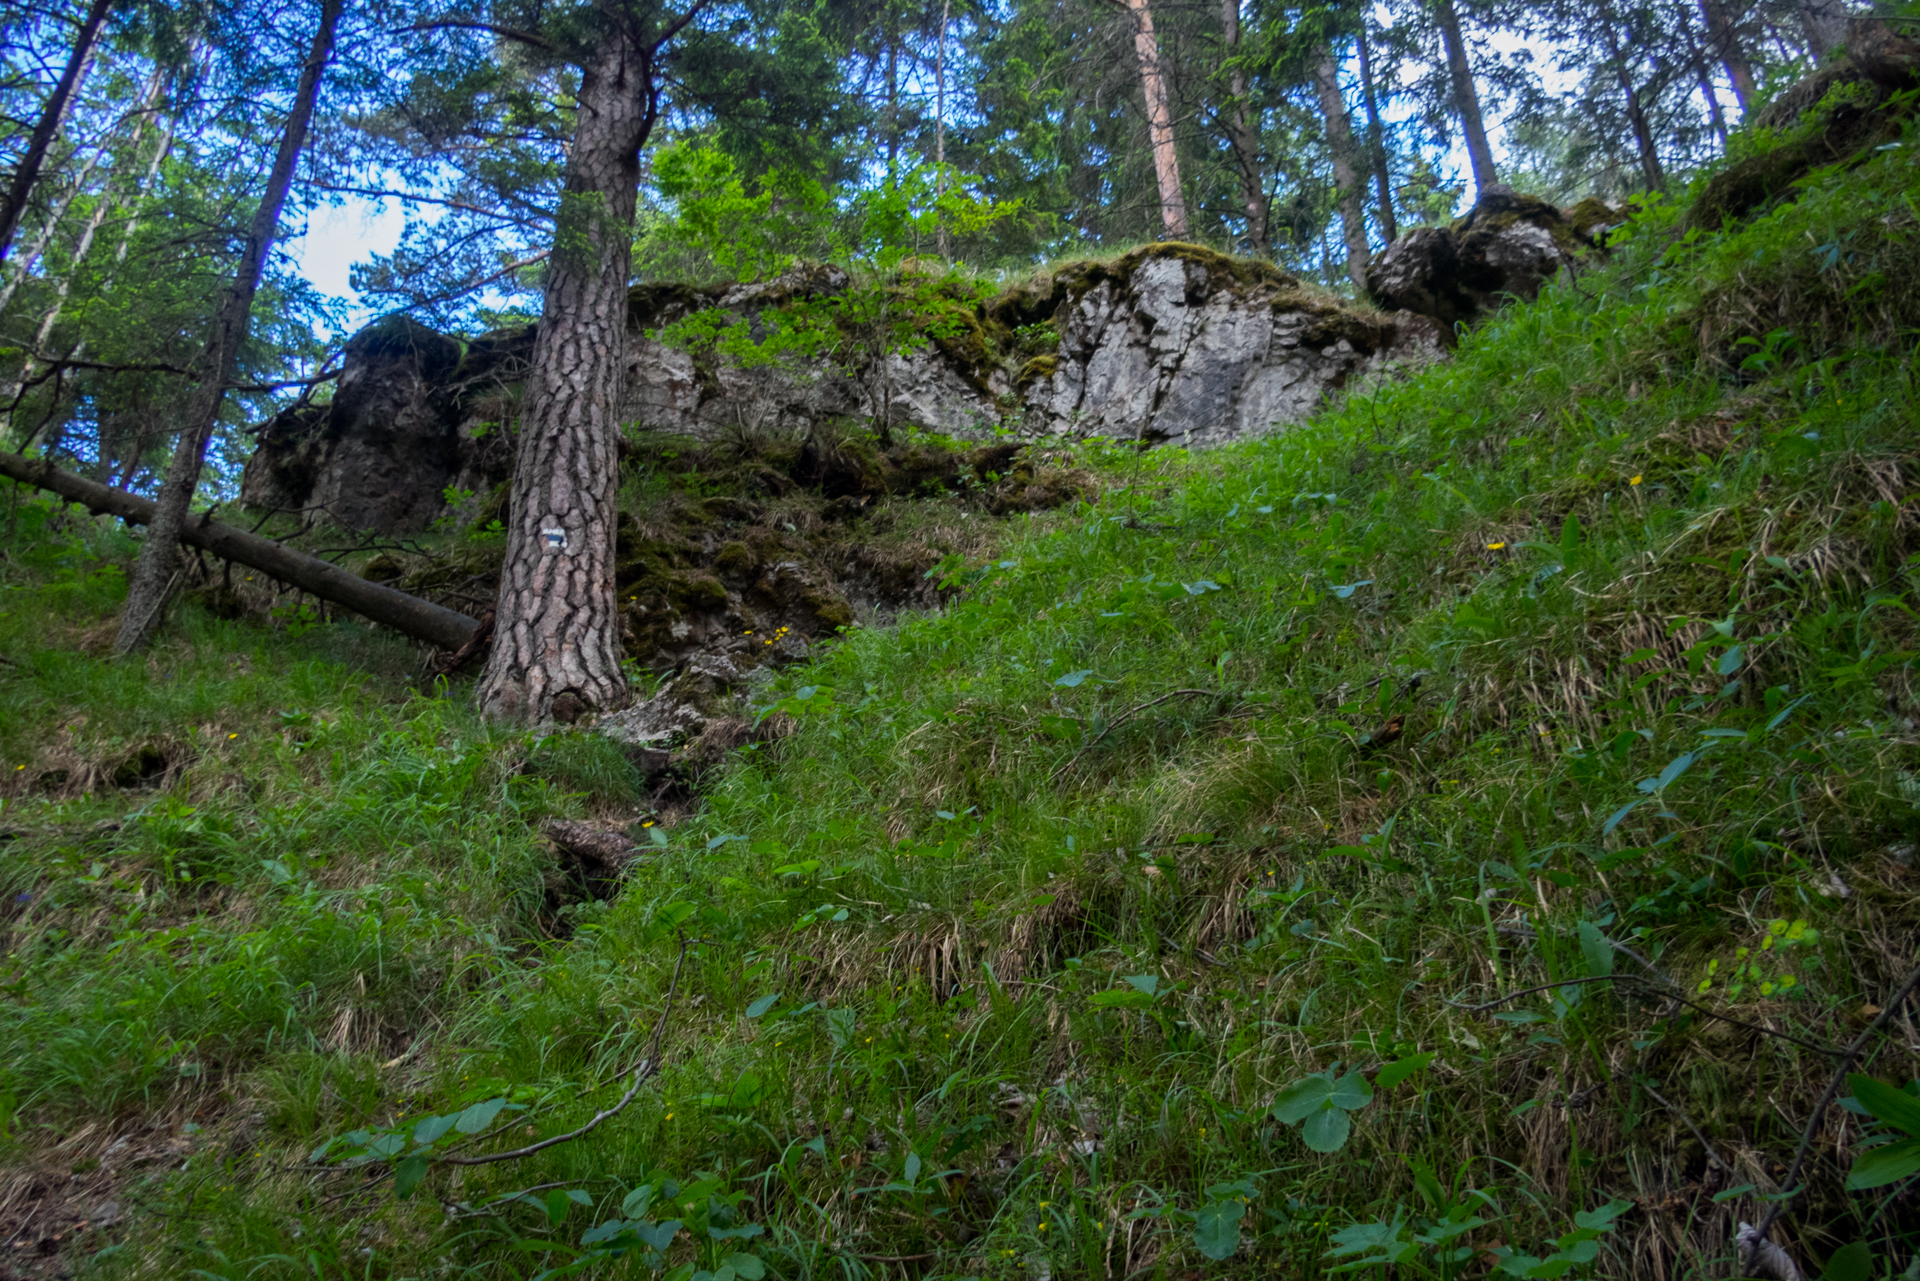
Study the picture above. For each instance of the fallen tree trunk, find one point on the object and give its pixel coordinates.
(417, 618)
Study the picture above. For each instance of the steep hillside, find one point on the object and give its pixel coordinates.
(1472, 832)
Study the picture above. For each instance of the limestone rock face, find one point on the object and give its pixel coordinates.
(1171, 342)
(1508, 245)
(1178, 349)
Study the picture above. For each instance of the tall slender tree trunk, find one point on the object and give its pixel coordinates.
(152, 580)
(27, 172)
(1825, 23)
(1346, 178)
(1246, 148)
(940, 126)
(1166, 160)
(556, 647)
(1466, 98)
(893, 90)
(1650, 167)
(1377, 144)
(1727, 48)
(1712, 95)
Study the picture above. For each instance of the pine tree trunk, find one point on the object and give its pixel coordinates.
(1726, 47)
(940, 126)
(27, 172)
(1825, 24)
(1377, 145)
(151, 584)
(1246, 148)
(1466, 99)
(1166, 160)
(1346, 178)
(1650, 167)
(556, 647)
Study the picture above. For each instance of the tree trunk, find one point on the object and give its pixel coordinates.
(1825, 22)
(1726, 47)
(940, 128)
(1346, 178)
(1466, 99)
(1643, 139)
(419, 619)
(1246, 148)
(556, 647)
(151, 583)
(1712, 95)
(1377, 144)
(51, 114)
(1166, 161)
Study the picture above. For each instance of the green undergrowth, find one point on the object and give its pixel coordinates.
(1284, 865)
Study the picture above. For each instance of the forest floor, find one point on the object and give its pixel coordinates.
(1473, 832)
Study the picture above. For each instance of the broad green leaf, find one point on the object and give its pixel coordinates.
(1302, 1099)
(407, 1176)
(604, 1232)
(1128, 1000)
(1602, 1217)
(1894, 1106)
(1072, 680)
(1148, 983)
(558, 1203)
(479, 1116)
(1851, 1262)
(745, 1266)
(1877, 1167)
(1351, 1092)
(1217, 1230)
(762, 1005)
(1595, 948)
(658, 1236)
(1731, 660)
(1400, 1069)
(430, 1129)
(1327, 1130)
(913, 1166)
(1675, 768)
(1613, 820)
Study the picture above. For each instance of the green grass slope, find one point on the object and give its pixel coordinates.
(1452, 837)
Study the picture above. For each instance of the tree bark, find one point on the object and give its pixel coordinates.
(1650, 167)
(1377, 144)
(940, 127)
(51, 114)
(1825, 24)
(1712, 95)
(1166, 160)
(1246, 148)
(419, 619)
(151, 583)
(1346, 178)
(1726, 47)
(556, 649)
(1466, 99)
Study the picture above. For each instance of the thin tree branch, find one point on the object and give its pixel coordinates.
(473, 24)
(1128, 716)
(646, 1068)
(1665, 991)
(1847, 1057)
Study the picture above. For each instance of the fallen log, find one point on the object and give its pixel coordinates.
(420, 619)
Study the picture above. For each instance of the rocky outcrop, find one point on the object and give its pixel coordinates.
(1176, 344)
(1839, 114)
(1171, 342)
(1507, 246)
(398, 435)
